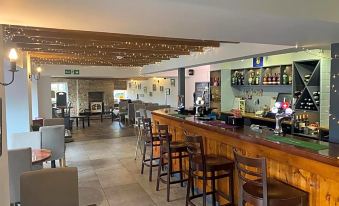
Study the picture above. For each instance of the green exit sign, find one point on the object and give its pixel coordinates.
(70, 71)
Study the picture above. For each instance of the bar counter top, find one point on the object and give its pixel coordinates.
(328, 156)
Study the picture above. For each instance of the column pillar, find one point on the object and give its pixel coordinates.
(334, 95)
(181, 82)
(18, 97)
(4, 186)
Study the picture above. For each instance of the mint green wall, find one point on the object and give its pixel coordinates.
(227, 92)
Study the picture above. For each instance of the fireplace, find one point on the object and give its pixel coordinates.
(95, 100)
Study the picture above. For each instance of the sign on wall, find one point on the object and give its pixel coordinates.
(258, 61)
(72, 71)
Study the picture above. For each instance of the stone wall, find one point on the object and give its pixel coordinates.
(78, 91)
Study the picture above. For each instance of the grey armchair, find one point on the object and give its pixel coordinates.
(24, 140)
(19, 161)
(52, 187)
(53, 138)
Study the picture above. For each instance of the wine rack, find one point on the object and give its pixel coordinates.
(306, 85)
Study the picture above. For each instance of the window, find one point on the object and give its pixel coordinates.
(119, 94)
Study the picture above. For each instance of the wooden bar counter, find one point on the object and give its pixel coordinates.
(316, 172)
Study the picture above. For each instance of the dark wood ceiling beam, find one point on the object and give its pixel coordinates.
(102, 36)
(61, 49)
(98, 48)
(87, 44)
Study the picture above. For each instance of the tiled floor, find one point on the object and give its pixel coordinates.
(108, 173)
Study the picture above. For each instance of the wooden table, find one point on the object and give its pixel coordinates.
(40, 155)
(82, 117)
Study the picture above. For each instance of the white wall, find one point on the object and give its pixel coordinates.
(157, 96)
(90, 71)
(44, 97)
(17, 101)
(4, 184)
(35, 100)
(226, 52)
(201, 74)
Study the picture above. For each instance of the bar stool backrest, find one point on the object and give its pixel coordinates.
(147, 128)
(252, 169)
(195, 149)
(164, 136)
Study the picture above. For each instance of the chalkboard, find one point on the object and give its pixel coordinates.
(200, 87)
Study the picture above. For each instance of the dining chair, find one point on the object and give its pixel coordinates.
(52, 187)
(53, 138)
(19, 161)
(24, 140)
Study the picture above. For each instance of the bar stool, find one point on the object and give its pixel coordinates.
(258, 190)
(169, 151)
(212, 167)
(152, 140)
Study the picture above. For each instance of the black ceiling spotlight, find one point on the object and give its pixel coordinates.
(36, 76)
(13, 56)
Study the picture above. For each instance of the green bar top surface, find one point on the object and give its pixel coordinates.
(297, 142)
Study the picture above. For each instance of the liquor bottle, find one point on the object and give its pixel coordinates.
(277, 79)
(296, 124)
(285, 78)
(238, 79)
(264, 81)
(242, 79)
(307, 122)
(250, 79)
(269, 79)
(233, 79)
(257, 79)
(302, 124)
(290, 79)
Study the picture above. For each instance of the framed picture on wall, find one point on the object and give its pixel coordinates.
(129, 85)
(139, 86)
(168, 91)
(161, 88)
(150, 94)
(173, 82)
(154, 87)
(145, 90)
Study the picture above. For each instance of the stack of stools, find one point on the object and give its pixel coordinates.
(207, 167)
(169, 151)
(150, 139)
(138, 128)
(258, 190)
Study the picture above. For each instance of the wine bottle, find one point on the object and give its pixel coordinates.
(296, 124)
(257, 79)
(250, 79)
(265, 80)
(285, 78)
(242, 79)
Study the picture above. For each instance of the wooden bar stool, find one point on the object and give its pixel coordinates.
(169, 151)
(207, 167)
(258, 190)
(152, 140)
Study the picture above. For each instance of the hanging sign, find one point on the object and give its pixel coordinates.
(258, 61)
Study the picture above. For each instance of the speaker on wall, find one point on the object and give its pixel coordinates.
(61, 99)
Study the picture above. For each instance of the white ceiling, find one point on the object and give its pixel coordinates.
(288, 22)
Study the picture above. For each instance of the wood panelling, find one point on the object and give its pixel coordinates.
(320, 180)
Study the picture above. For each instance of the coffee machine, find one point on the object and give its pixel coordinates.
(200, 106)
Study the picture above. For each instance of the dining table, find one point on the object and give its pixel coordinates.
(40, 155)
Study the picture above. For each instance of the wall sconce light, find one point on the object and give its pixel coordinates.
(36, 76)
(13, 56)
